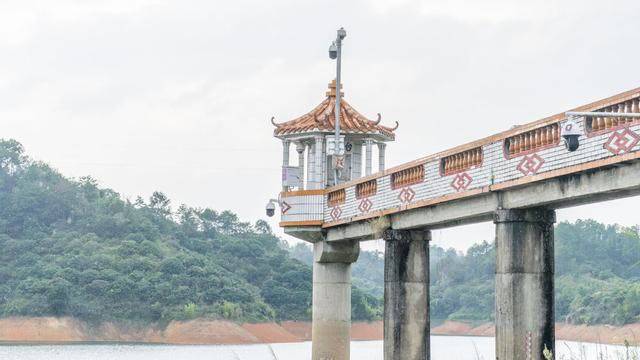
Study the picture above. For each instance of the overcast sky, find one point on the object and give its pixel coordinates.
(176, 96)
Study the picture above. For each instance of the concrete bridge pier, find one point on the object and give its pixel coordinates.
(406, 295)
(331, 326)
(524, 283)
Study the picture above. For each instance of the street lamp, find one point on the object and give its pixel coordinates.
(335, 53)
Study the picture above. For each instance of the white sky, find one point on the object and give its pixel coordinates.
(176, 96)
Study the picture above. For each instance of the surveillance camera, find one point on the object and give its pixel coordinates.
(571, 134)
(270, 208)
(342, 33)
(333, 51)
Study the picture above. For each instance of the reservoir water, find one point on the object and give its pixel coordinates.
(442, 348)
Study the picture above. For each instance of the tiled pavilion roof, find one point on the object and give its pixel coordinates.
(322, 118)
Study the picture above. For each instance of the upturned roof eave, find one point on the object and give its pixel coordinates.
(376, 135)
(321, 119)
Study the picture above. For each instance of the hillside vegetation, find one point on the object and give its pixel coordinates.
(71, 248)
(597, 276)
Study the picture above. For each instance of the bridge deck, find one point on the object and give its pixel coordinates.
(522, 156)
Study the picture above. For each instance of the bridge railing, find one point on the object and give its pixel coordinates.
(520, 155)
(527, 153)
(302, 208)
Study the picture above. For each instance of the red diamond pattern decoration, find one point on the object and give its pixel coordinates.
(622, 141)
(365, 205)
(284, 207)
(406, 195)
(530, 164)
(461, 181)
(335, 213)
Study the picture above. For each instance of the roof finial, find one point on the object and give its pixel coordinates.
(396, 127)
(379, 119)
(332, 89)
(273, 122)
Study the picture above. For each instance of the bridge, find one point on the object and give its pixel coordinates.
(516, 179)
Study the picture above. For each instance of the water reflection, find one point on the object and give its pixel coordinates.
(442, 347)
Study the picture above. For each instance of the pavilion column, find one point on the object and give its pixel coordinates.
(356, 160)
(406, 295)
(524, 283)
(381, 148)
(331, 310)
(300, 150)
(310, 166)
(318, 161)
(286, 144)
(367, 168)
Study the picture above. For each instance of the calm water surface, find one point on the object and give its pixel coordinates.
(442, 347)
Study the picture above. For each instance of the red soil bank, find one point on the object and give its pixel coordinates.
(40, 329)
(301, 329)
(207, 332)
(271, 333)
(203, 331)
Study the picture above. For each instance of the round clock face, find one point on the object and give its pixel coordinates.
(348, 147)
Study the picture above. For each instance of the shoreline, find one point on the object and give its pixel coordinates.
(68, 331)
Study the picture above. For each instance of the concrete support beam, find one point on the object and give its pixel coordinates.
(589, 187)
(307, 233)
(331, 327)
(564, 191)
(406, 295)
(458, 212)
(524, 283)
(363, 230)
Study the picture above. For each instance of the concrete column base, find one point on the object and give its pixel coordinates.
(331, 326)
(524, 284)
(406, 295)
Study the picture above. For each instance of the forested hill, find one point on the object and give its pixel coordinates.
(597, 276)
(71, 248)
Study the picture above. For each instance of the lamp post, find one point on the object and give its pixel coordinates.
(335, 52)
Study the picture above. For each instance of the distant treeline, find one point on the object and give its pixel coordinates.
(597, 276)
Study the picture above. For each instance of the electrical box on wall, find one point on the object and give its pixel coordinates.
(291, 176)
